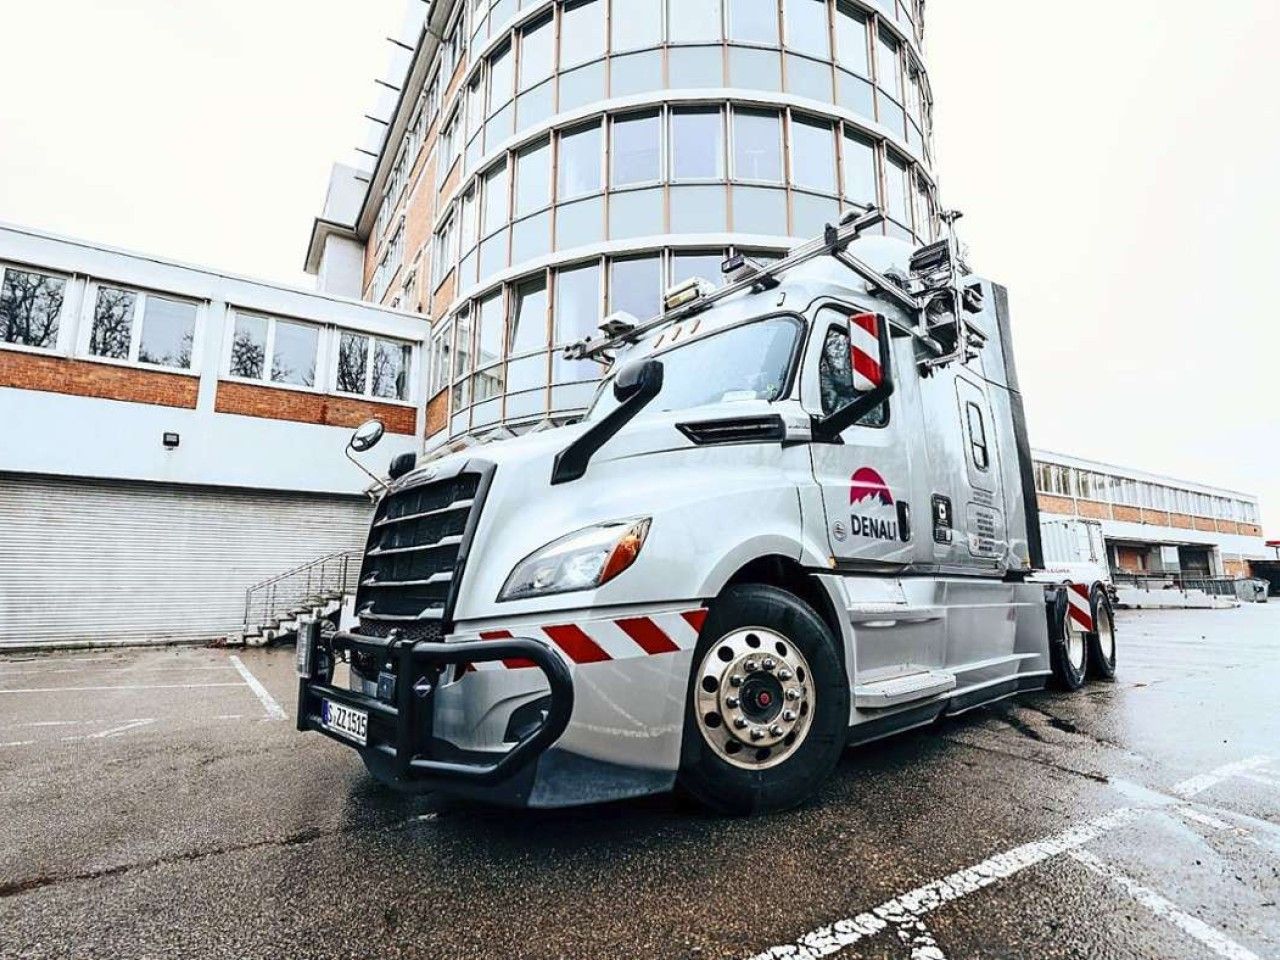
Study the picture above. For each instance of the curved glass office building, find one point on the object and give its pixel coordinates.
(549, 162)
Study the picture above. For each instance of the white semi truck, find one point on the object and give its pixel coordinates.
(799, 515)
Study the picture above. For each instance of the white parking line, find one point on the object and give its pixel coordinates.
(1193, 927)
(128, 686)
(274, 710)
(115, 667)
(905, 910)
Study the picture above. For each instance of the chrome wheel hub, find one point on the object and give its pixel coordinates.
(753, 698)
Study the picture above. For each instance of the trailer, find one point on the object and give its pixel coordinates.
(798, 515)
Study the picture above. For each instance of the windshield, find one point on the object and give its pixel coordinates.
(746, 362)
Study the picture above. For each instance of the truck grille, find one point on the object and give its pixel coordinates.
(415, 551)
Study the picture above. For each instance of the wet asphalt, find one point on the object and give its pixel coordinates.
(152, 804)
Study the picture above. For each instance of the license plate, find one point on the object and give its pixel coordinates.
(345, 721)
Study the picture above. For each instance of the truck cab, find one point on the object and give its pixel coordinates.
(797, 515)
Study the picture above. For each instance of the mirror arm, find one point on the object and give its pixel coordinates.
(571, 462)
(365, 471)
(828, 429)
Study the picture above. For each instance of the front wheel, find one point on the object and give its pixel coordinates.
(768, 704)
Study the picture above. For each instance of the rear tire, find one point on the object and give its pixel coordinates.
(1068, 646)
(1102, 641)
(762, 729)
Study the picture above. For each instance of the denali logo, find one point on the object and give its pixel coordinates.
(873, 528)
(876, 519)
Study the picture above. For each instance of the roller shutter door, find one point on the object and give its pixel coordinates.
(93, 559)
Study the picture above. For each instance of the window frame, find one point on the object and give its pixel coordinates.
(410, 379)
(70, 288)
(225, 373)
(88, 309)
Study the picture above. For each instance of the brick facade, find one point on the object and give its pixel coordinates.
(1051, 504)
(1093, 509)
(106, 381)
(437, 413)
(273, 403)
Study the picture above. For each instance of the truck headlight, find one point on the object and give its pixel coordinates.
(582, 560)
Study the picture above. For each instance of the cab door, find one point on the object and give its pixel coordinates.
(865, 479)
(983, 519)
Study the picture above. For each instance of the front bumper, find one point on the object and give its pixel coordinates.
(400, 735)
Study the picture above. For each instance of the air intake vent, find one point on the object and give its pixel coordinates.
(766, 429)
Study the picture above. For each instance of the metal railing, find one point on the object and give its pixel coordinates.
(310, 584)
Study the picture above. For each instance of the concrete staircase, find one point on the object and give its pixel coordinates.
(315, 590)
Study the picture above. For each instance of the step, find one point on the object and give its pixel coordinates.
(904, 689)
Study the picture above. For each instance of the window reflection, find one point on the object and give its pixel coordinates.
(637, 140)
(581, 32)
(693, 22)
(757, 145)
(697, 144)
(580, 162)
(634, 286)
(753, 21)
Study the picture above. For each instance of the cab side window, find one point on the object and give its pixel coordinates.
(835, 378)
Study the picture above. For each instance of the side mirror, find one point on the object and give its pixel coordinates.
(644, 377)
(870, 353)
(366, 436)
(634, 386)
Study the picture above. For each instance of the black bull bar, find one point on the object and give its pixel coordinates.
(402, 729)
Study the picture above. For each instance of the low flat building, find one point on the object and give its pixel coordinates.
(173, 435)
(1155, 525)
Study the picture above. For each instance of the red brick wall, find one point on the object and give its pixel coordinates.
(1182, 521)
(1205, 524)
(1094, 510)
(276, 404)
(85, 378)
(1051, 504)
(1128, 514)
(437, 413)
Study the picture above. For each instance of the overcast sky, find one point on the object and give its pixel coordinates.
(1116, 163)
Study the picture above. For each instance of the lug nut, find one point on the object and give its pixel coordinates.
(789, 716)
(751, 666)
(784, 674)
(731, 703)
(735, 681)
(793, 694)
(770, 663)
(775, 730)
(740, 723)
(757, 733)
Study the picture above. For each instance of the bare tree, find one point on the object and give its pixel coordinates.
(30, 304)
(353, 357)
(112, 323)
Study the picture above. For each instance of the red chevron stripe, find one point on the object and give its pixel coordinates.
(511, 663)
(573, 641)
(695, 618)
(647, 634)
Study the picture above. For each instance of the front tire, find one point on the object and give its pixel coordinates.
(767, 709)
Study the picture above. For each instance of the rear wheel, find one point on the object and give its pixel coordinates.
(1102, 641)
(1069, 650)
(768, 704)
